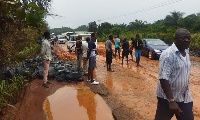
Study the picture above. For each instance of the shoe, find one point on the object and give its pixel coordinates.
(45, 85)
(48, 82)
(95, 83)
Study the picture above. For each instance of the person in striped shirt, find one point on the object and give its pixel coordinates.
(173, 90)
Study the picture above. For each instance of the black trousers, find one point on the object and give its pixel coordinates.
(163, 113)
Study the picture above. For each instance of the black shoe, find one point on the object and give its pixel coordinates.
(45, 85)
(48, 82)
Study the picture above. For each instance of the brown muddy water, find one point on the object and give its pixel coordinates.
(70, 103)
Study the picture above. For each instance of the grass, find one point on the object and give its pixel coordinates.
(10, 90)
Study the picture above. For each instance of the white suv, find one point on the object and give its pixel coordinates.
(71, 43)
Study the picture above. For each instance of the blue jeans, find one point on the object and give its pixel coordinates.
(137, 53)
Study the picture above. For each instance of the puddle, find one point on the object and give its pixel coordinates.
(69, 103)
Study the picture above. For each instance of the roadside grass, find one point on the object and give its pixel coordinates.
(10, 91)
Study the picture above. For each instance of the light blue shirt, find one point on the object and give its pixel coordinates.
(175, 68)
(117, 41)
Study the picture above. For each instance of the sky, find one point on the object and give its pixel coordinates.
(74, 13)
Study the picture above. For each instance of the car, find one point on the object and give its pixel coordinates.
(61, 39)
(152, 48)
(71, 43)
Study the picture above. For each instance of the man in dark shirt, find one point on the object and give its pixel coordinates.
(138, 46)
(125, 51)
(92, 52)
(79, 51)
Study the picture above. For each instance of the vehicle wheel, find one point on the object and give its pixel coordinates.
(151, 55)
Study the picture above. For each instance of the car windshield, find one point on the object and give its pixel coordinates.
(61, 37)
(155, 42)
(73, 38)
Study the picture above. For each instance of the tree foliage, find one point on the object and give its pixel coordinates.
(21, 25)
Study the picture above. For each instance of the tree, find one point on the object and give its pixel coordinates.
(92, 27)
(82, 28)
(116, 30)
(174, 19)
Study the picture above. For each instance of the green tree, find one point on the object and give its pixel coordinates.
(92, 27)
(174, 19)
(82, 28)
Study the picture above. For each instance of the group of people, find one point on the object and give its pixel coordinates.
(173, 89)
(87, 52)
(127, 48)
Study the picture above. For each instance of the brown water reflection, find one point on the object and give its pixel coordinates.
(69, 103)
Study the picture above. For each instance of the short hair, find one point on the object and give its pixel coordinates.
(132, 38)
(177, 33)
(110, 37)
(124, 39)
(79, 37)
(93, 34)
(46, 34)
(137, 35)
(87, 39)
(117, 35)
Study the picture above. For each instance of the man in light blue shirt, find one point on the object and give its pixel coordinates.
(117, 46)
(173, 91)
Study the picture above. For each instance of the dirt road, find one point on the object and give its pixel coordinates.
(136, 86)
(129, 91)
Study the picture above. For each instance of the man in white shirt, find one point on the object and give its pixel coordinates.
(173, 90)
(85, 60)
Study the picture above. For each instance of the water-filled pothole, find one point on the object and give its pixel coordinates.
(69, 103)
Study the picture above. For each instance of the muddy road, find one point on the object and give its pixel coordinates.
(129, 91)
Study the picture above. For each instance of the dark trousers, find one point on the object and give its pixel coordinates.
(163, 113)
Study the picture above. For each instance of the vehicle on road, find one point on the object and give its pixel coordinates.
(61, 39)
(152, 48)
(71, 43)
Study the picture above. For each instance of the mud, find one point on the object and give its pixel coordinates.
(129, 91)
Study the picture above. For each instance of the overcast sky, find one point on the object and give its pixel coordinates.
(75, 13)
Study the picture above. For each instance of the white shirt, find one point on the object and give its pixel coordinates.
(176, 70)
(84, 48)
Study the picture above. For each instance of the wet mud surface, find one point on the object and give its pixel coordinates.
(129, 91)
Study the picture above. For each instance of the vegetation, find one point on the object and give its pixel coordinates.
(10, 90)
(21, 27)
(163, 29)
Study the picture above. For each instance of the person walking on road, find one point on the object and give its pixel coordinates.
(173, 90)
(92, 52)
(117, 46)
(125, 51)
(79, 52)
(109, 53)
(47, 57)
(138, 46)
(85, 60)
(131, 48)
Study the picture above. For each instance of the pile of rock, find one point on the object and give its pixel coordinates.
(32, 68)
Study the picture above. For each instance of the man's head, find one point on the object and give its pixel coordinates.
(79, 37)
(110, 37)
(87, 39)
(93, 36)
(117, 36)
(46, 35)
(182, 39)
(132, 38)
(124, 39)
(137, 36)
